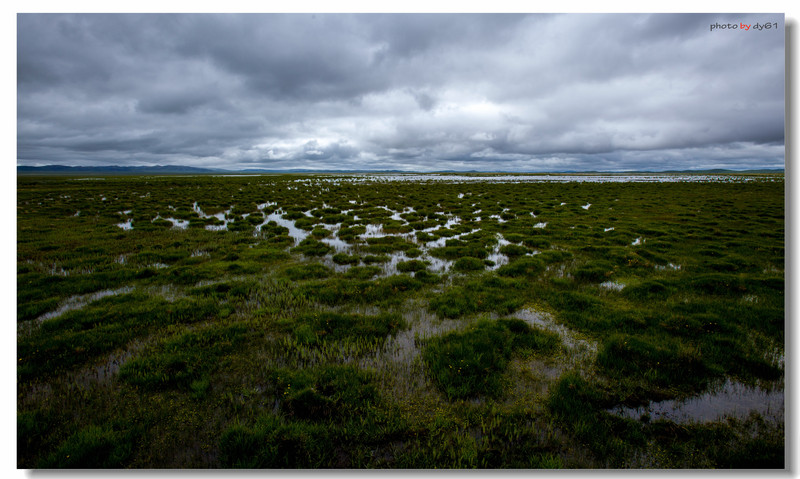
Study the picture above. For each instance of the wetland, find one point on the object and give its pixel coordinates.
(401, 321)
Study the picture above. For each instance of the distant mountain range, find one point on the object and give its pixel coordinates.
(183, 170)
(113, 170)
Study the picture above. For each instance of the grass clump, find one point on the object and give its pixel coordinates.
(350, 233)
(363, 272)
(372, 259)
(93, 447)
(468, 264)
(470, 363)
(77, 336)
(387, 244)
(312, 247)
(593, 272)
(272, 443)
(525, 266)
(648, 290)
(514, 250)
(315, 407)
(181, 360)
(455, 249)
(316, 328)
(662, 361)
(325, 393)
(411, 266)
(342, 290)
(483, 294)
(343, 258)
(307, 271)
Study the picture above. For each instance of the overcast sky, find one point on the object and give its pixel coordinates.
(401, 91)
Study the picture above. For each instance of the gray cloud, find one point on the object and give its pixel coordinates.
(417, 92)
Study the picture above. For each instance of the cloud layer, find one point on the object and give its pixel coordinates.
(402, 91)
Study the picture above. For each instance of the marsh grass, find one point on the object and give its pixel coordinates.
(92, 447)
(470, 363)
(258, 345)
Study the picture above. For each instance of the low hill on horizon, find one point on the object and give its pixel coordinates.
(178, 169)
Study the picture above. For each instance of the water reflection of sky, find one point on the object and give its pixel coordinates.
(728, 398)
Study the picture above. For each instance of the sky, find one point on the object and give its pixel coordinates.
(409, 92)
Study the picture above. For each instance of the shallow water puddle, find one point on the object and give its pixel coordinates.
(580, 352)
(440, 243)
(180, 224)
(128, 225)
(220, 216)
(612, 286)
(338, 244)
(390, 267)
(451, 178)
(438, 265)
(90, 376)
(582, 349)
(403, 347)
(294, 232)
(70, 304)
(396, 214)
(674, 267)
(729, 398)
(435, 265)
(374, 231)
(176, 223)
(450, 222)
(498, 258)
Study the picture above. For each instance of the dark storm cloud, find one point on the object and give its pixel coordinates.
(416, 92)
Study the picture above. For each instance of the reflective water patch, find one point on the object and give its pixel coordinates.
(498, 258)
(612, 286)
(674, 267)
(294, 232)
(728, 398)
(176, 223)
(581, 351)
(70, 304)
(338, 244)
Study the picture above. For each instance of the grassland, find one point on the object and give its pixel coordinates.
(335, 322)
